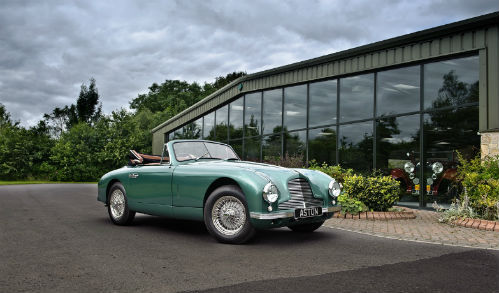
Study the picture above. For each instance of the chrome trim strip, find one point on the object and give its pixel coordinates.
(279, 215)
(288, 214)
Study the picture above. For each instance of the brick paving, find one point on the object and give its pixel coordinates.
(424, 228)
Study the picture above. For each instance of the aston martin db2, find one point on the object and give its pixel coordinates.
(206, 181)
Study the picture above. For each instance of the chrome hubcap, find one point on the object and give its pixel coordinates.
(117, 204)
(228, 215)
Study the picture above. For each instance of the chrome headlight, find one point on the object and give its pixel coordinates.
(270, 193)
(409, 167)
(437, 167)
(334, 188)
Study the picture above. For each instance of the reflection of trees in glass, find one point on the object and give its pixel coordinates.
(191, 131)
(252, 149)
(322, 148)
(272, 145)
(357, 156)
(237, 146)
(294, 146)
(235, 132)
(454, 92)
(389, 146)
(453, 129)
(253, 127)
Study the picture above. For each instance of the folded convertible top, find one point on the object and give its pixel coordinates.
(143, 159)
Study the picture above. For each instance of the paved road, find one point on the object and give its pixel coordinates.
(57, 238)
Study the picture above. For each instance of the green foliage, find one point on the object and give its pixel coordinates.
(288, 161)
(458, 209)
(351, 205)
(75, 155)
(78, 143)
(87, 109)
(335, 171)
(22, 151)
(480, 180)
(174, 96)
(378, 193)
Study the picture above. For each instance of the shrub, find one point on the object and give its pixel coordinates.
(378, 193)
(335, 171)
(351, 205)
(458, 209)
(480, 180)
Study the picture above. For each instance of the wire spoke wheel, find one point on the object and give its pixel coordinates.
(117, 204)
(228, 215)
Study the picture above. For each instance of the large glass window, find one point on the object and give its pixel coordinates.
(356, 97)
(295, 144)
(179, 133)
(445, 134)
(295, 107)
(236, 118)
(398, 91)
(252, 148)
(209, 126)
(356, 146)
(222, 123)
(192, 130)
(253, 114)
(322, 145)
(272, 111)
(271, 149)
(322, 103)
(237, 145)
(397, 144)
(451, 82)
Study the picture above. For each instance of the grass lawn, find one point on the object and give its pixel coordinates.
(37, 182)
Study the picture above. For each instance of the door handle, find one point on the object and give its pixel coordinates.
(133, 175)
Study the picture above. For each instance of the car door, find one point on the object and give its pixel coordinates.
(151, 184)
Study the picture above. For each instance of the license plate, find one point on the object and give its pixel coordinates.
(308, 212)
(416, 187)
(428, 188)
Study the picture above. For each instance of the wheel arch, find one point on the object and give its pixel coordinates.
(108, 187)
(222, 181)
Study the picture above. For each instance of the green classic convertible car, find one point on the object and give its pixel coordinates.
(206, 181)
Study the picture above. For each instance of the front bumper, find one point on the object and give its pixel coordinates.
(287, 214)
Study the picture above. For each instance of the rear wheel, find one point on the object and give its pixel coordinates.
(306, 228)
(226, 215)
(117, 207)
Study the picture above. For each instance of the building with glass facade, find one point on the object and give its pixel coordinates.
(406, 106)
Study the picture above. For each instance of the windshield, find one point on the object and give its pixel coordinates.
(196, 150)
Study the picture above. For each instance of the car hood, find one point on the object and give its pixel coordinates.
(272, 172)
(278, 175)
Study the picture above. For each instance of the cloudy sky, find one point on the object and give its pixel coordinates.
(49, 48)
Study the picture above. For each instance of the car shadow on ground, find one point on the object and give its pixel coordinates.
(198, 231)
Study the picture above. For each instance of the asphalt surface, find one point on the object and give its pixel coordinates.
(58, 238)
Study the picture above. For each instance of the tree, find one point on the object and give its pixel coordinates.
(87, 110)
(174, 96)
(22, 151)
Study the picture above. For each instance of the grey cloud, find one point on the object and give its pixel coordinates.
(50, 48)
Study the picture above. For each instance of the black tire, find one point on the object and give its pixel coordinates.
(230, 199)
(306, 228)
(119, 213)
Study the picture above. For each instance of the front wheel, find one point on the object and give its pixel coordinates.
(306, 228)
(226, 215)
(117, 207)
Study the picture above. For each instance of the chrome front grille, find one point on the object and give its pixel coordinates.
(301, 196)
